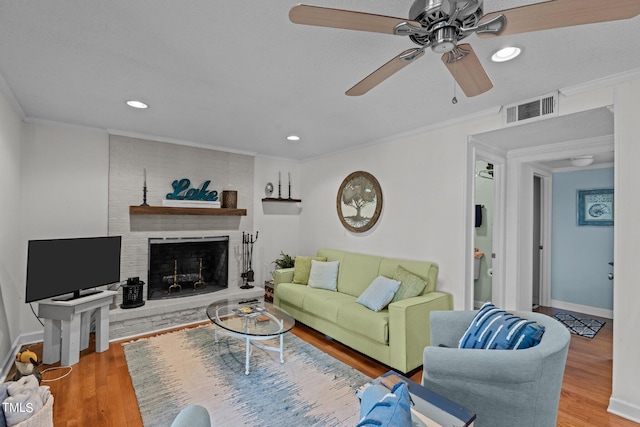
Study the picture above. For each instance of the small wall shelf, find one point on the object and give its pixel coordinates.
(168, 210)
(279, 206)
(276, 199)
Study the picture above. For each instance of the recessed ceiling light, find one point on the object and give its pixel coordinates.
(293, 138)
(506, 54)
(137, 104)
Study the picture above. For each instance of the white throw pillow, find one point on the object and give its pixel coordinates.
(379, 293)
(324, 275)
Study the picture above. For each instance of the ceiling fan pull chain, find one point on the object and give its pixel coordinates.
(454, 100)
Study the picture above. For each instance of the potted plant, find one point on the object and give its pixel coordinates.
(285, 261)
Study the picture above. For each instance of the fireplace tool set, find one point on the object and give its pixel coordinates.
(247, 259)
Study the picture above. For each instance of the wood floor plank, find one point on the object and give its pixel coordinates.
(99, 392)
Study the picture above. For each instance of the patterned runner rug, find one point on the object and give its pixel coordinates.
(583, 327)
(177, 369)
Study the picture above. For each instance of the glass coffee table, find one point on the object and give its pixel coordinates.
(251, 321)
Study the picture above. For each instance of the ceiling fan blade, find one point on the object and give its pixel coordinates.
(564, 13)
(347, 19)
(386, 71)
(467, 70)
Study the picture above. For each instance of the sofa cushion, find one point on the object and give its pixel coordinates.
(324, 275)
(379, 293)
(325, 304)
(291, 293)
(331, 254)
(426, 270)
(411, 285)
(357, 272)
(493, 328)
(359, 319)
(302, 268)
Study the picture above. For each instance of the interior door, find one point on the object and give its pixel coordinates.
(537, 240)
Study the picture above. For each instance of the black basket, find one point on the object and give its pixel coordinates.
(132, 295)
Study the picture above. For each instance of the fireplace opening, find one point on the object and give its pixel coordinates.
(180, 267)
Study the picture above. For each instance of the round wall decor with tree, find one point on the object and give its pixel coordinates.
(359, 201)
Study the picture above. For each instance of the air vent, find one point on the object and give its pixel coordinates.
(530, 110)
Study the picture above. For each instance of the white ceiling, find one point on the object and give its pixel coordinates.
(240, 75)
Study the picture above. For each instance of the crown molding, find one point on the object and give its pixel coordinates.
(582, 168)
(63, 125)
(118, 132)
(603, 82)
(484, 114)
(601, 144)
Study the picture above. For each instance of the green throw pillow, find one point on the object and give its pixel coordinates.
(302, 268)
(410, 284)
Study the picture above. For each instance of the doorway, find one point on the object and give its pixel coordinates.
(526, 149)
(537, 240)
(483, 235)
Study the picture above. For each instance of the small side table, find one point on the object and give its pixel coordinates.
(268, 291)
(67, 324)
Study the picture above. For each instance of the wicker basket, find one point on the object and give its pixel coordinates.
(42, 418)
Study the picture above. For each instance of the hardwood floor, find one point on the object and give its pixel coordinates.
(586, 386)
(98, 392)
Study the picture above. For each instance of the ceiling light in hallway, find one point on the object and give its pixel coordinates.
(137, 104)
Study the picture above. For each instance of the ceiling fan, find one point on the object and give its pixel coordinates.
(442, 24)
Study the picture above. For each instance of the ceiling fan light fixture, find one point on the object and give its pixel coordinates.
(137, 104)
(506, 54)
(582, 161)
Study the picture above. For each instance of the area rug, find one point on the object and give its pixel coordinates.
(576, 325)
(174, 370)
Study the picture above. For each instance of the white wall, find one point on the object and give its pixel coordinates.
(12, 248)
(423, 182)
(625, 398)
(278, 227)
(64, 177)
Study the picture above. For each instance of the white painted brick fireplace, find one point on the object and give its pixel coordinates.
(164, 163)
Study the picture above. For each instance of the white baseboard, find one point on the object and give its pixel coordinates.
(593, 311)
(624, 409)
(7, 360)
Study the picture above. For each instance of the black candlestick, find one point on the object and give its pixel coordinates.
(144, 196)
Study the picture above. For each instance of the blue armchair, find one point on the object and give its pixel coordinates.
(192, 416)
(503, 387)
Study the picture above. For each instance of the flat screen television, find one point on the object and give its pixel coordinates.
(67, 266)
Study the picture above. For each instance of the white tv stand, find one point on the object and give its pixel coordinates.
(67, 324)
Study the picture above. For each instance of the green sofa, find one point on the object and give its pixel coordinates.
(395, 336)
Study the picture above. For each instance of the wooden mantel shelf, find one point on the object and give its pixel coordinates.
(169, 210)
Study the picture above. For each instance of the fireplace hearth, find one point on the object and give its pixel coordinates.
(188, 266)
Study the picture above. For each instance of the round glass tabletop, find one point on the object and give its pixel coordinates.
(257, 318)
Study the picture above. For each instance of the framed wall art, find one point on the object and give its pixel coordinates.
(595, 207)
(359, 201)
